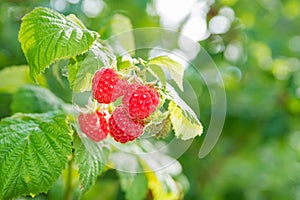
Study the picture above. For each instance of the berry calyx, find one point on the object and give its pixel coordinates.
(104, 84)
(140, 100)
(94, 125)
(122, 128)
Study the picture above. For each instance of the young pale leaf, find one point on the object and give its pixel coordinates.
(156, 186)
(35, 99)
(186, 109)
(47, 36)
(81, 71)
(184, 128)
(174, 68)
(33, 152)
(91, 159)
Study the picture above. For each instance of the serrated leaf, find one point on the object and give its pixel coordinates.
(91, 159)
(47, 36)
(186, 109)
(122, 33)
(20, 76)
(57, 80)
(174, 68)
(184, 128)
(35, 99)
(157, 71)
(135, 185)
(33, 152)
(81, 71)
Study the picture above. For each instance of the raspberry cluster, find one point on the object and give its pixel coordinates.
(126, 122)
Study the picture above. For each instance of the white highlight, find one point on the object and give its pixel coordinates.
(219, 24)
(92, 8)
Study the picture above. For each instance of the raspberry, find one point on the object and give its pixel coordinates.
(122, 128)
(106, 86)
(94, 125)
(140, 100)
(119, 89)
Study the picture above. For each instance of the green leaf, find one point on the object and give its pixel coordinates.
(186, 109)
(81, 70)
(183, 126)
(135, 185)
(123, 64)
(20, 76)
(33, 152)
(5, 101)
(91, 158)
(47, 36)
(184, 120)
(174, 68)
(35, 99)
(159, 73)
(57, 80)
(122, 33)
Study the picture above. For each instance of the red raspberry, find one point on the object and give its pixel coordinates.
(140, 100)
(122, 128)
(94, 125)
(106, 86)
(119, 89)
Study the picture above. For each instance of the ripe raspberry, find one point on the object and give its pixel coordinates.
(119, 89)
(122, 128)
(106, 86)
(140, 100)
(94, 125)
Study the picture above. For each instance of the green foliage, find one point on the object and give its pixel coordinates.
(183, 127)
(90, 158)
(184, 120)
(57, 81)
(35, 99)
(33, 152)
(174, 69)
(159, 73)
(47, 36)
(257, 156)
(122, 33)
(135, 185)
(21, 76)
(82, 69)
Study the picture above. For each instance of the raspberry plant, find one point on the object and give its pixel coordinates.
(127, 104)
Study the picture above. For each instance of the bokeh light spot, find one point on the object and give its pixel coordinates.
(73, 1)
(219, 24)
(59, 5)
(92, 8)
(227, 12)
(294, 43)
(233, 51)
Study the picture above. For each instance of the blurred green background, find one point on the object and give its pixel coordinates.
(256, 46)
